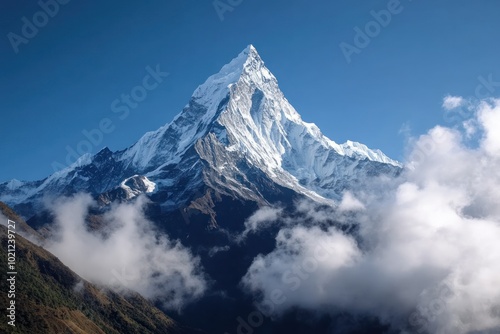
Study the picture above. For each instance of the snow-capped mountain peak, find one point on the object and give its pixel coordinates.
(171, 140)
(228, 74)
(238, 122)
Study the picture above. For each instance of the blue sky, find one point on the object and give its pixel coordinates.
(65, 78)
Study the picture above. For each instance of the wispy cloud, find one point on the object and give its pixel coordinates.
(129, 253)
(453, 102)
(259, 220)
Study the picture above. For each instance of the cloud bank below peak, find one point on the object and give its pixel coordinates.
(425, 255)
(127, 254)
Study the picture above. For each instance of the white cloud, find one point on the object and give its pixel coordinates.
(489, 117)
(453, 102)
(128, 254)
(350, 203)
(427, 252)
(259, 220)
(470, 128)
(218, 249)
(405, 129)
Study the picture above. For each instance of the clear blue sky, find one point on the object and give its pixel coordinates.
(65, 78)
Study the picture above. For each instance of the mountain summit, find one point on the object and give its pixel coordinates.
(237, 137)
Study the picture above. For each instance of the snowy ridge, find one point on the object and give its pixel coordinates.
(262, 125)
(136, 185)
(14, 184)
(188, 126)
